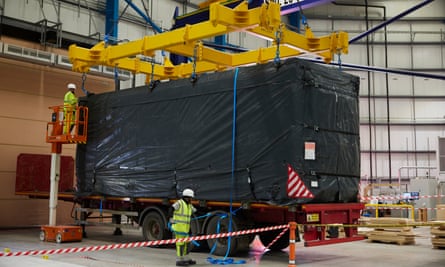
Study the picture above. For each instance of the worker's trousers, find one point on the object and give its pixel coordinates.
(181, 247)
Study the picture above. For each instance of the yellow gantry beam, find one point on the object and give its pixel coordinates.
(263, 22)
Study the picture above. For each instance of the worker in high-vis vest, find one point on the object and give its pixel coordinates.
(69, 108)
(183, 210)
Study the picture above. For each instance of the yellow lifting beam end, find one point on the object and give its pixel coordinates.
(263, 22)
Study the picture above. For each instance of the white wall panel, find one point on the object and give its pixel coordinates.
(427, 57)
(433, 87)
(400, 110)
(356, 55)
(398, 56)
(430, 110)
(399, 85)
(364, 109)
(74, 20)
(435, 8)
(395, 32)
(402, 138)
(427, 136)
(26, 10)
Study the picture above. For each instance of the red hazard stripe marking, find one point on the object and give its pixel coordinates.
(295, 186)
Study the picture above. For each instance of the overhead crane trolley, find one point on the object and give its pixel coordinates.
(263, 22)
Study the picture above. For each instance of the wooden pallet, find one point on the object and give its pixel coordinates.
(396, 231)
(438, 236)
(392, 236)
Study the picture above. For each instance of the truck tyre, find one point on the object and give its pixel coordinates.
(153, 227)
(195, 229)
(222, 244)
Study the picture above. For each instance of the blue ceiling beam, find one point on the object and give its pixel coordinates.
(381, 25)
(144, 16)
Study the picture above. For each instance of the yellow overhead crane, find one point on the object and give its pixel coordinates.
(263, 22)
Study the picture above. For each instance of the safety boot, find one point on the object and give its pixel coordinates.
(182, 263)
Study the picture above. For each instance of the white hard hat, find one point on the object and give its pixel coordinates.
(188, 193)
(71, 86)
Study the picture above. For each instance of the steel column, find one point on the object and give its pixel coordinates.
(144, 16)
(111, 20)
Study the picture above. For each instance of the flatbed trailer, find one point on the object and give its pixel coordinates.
(320, 223)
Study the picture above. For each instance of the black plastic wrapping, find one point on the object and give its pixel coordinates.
(154, 143)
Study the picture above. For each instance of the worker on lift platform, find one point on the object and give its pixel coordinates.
(69, 108)
(183, 210)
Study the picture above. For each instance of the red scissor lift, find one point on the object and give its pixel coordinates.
(67, 126)
(56, 130)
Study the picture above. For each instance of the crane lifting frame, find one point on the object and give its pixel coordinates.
(263, 22)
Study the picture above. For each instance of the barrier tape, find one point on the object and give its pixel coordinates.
(201, 237)
(376, 225)
(398, 208)
(397, 197)
(276, 239)
(139, 244)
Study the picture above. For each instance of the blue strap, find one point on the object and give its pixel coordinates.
(303, 19)
(226, 260)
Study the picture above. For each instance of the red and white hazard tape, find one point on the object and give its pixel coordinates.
(401, 208)
(276, 239)
(398, 197)
(139, 244)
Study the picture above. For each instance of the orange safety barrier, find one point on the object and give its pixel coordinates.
(292, 228)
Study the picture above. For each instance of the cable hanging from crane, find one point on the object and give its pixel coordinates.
(278, 35)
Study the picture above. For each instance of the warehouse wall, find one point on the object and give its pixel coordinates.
(26, 92)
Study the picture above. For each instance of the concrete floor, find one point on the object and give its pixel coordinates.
(359, 253)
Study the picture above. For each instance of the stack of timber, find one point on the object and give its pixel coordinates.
(438, 236)
(392, 230)
(364, 230)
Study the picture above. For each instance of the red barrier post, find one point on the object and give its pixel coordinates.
(292, 228)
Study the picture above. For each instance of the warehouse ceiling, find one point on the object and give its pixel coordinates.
(16, 28)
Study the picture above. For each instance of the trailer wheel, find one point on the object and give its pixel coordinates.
(42, 235)
(222, 244)
(59, 238)
(195, 229)
(153, 227)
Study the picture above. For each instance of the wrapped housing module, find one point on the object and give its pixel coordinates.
(154, 143)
